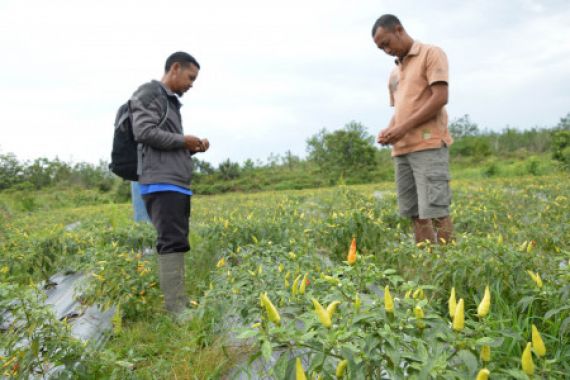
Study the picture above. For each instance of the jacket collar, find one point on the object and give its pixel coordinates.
(170, 94)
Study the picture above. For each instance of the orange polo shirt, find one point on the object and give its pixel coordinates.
(409, 87)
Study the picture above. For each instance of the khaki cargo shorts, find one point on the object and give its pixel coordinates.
(422, 181)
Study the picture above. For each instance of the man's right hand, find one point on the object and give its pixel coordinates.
(381, 139)
(205, 144)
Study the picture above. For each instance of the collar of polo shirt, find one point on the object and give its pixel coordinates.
(414, 50)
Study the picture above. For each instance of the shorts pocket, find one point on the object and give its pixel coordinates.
(438, 191)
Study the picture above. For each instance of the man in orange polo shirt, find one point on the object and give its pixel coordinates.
(418, 132)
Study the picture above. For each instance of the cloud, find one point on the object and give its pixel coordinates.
(273, 74)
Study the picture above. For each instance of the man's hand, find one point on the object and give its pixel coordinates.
(436, 101)
(205, 144)
(193, 144)
(381, 139)
(382, 136)
(392, 135)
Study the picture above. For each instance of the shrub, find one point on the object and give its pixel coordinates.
(561, 147)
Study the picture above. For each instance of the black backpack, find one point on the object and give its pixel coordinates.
(124, 157)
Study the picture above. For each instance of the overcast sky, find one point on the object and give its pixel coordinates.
(273, 73)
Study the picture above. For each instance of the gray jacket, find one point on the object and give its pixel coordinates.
(163, 157)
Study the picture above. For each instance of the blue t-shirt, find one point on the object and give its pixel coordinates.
(158, 187)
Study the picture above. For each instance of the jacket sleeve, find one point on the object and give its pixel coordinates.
(147, 111)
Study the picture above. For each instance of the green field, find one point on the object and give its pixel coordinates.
(504, 228)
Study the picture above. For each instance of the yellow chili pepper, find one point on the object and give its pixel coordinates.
(459, 316)
(299, 371)
(357, 303)
(295, 287)
(452, 303)
(322, 314)
(351, 258)
(483, 374)
(272, 312)
(419, 314)
(408, 294)
(117, 320)
(341, 369)
(535, 277)
(10, 361)
(538, 280)
(537, 342)
(280, 267)
(330, 279)
(485, 304)
(221, 263)
(526, 360)
(303, 285)
(419, 294)
(485, 353)
(331, 309)
(286, 281)
(388, 301)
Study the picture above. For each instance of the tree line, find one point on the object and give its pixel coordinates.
(348, 155)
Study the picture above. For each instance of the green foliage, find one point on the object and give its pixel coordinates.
(202, 167)
(42, 173)
(507, 228)
(299, 176)
(561, 147)
(129, 284)
(511, 140)
(471, 146)
(346, 156)
(122, 192)
(463, 127)
(229, 170)
(10, 170)
(504, 228)
(248, 165)
(491, 169)
(28, 319)
(564, 124)
(474, 154)
(533, 166)
(345, 153)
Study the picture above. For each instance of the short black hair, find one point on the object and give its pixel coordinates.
(387, 22)
(181, 57)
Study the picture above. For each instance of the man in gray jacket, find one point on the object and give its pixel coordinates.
(165, 169)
